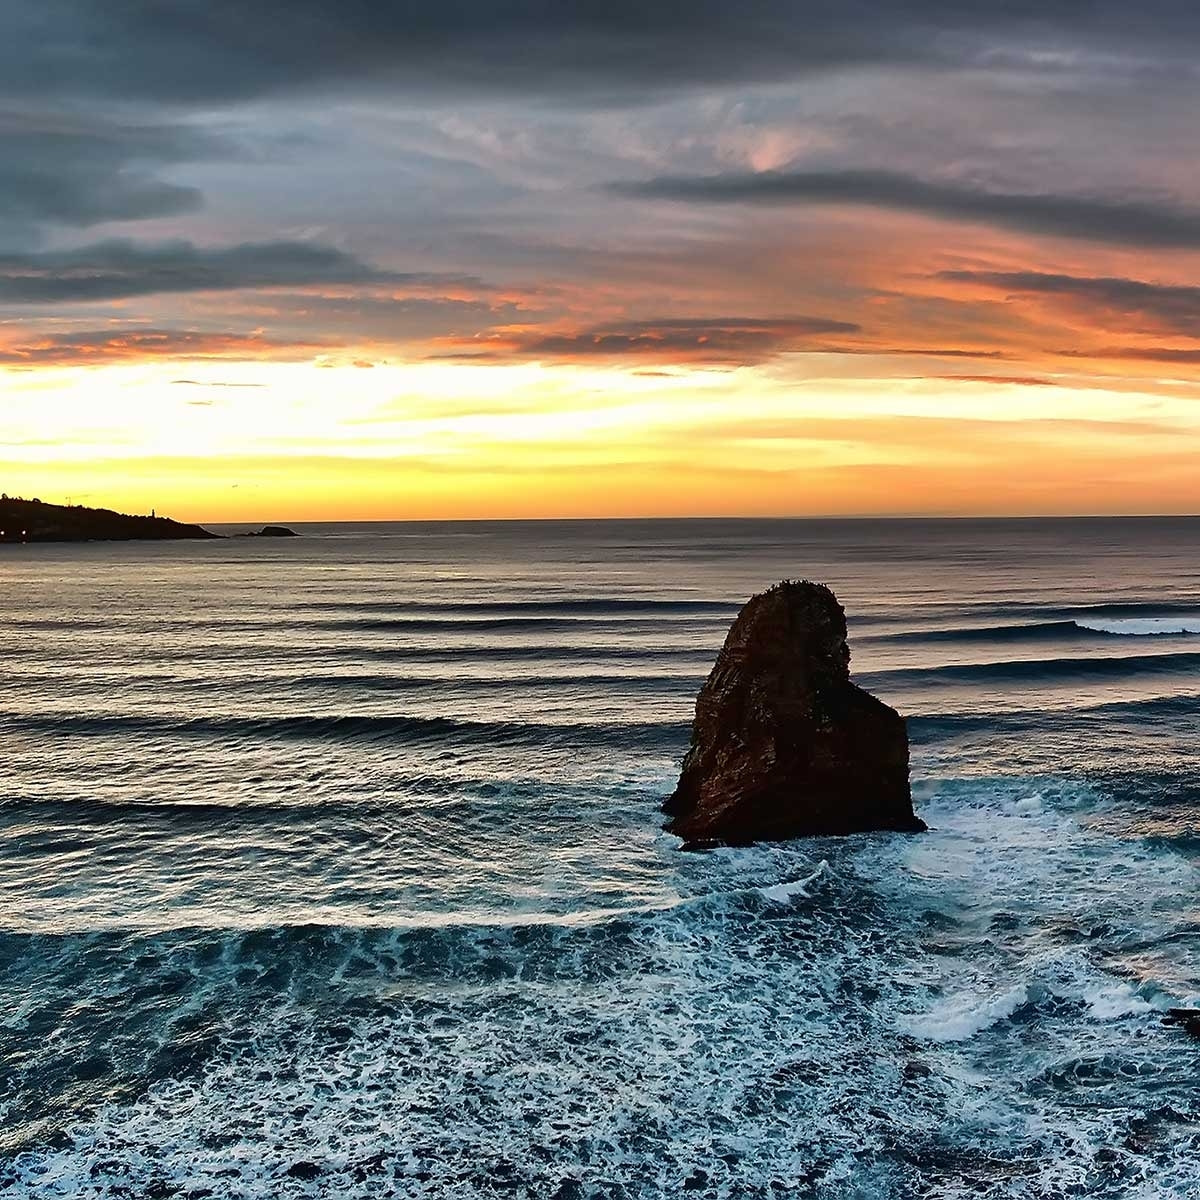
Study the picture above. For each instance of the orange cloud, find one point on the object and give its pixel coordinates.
(96, 347)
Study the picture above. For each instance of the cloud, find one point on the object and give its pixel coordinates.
(210, 383)
(199, 51)
(80, 169)
(105, 346)
(392, 319)
(1004, 380)
(728, 341)
(936, 352)
(206, 51)
(979, 436)
(1092, 218)
(1184, 356)
(119, 269)
(1130, 302)
(86, 195)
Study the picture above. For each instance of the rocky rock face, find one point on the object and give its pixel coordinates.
(783, 744)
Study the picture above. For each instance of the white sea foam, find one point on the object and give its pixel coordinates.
(1058, 976)
(684, 1047)
(782, 893)
(1111, 1001)
(962, 1016)
(1179, 623)
(635, 1051)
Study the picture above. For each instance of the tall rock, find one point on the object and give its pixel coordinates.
(783, 744)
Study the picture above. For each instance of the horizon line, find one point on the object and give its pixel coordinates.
(1167, 516)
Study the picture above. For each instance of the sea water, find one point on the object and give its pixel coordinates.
(333, 867)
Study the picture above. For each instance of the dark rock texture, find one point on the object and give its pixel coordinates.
(273, 531)
(33, 521)
(1188, 1019)
(783, 744)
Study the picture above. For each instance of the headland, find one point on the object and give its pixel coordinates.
(33, 521)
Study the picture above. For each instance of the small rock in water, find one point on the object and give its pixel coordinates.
(783, 744)
(303, 1170)
(1188, 1019)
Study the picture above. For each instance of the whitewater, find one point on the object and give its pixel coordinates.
(334, 867)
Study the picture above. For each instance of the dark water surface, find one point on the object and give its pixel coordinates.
(332, 867)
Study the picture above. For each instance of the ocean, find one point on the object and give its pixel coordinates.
(333, 867)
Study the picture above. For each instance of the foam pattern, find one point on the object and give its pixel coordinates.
(930, 1017)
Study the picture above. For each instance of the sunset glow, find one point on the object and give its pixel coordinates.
(886, 283)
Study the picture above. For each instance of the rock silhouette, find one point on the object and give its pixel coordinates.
(1188, 1019)
(33, 521)
(783, 744)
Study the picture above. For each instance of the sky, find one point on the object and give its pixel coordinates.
(352, 259)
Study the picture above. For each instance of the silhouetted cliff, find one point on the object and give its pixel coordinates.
(33, 521)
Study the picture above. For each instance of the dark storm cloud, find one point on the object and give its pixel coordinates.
(1116, 221)
(114, 270)
(86, 196)
(80, 170)
(1164, 306)
(204, 51)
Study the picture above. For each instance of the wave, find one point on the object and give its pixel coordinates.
(446, 653)
(497, 624)
(337, 681)
(1039, 670)
(1086, 627)
(785, 893)
(501, 653)
(457, 931)
(1036, 631)
(1171, 709)
(1176, 706)
(408, 730)
(599, 606)
(1148, 608)
(421, 790)
(508, 682)
(959, 1017)
(1183, 623)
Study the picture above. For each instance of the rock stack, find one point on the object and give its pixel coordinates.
(783, 744)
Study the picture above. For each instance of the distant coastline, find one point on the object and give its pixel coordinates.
(32, 521)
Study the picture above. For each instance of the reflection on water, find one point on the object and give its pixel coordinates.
(333, 867)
